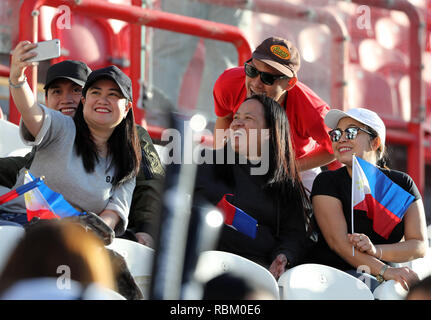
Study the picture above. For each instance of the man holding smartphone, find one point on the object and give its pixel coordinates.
(63, 91)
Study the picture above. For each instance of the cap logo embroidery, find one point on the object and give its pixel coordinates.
(280, 51)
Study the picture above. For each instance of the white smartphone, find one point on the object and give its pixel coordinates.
(46, 50)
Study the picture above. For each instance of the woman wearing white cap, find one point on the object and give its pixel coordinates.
(361, 132)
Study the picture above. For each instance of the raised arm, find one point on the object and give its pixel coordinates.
(31, 112)
(316, 158)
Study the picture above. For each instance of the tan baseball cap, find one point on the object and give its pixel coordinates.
(280, 54)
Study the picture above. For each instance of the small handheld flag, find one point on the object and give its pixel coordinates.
(384, 201)
(21, 190)
(237, 218)
(44, 203)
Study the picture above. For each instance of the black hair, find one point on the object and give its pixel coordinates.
(123, 146)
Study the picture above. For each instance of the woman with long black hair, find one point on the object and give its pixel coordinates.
(263, 182)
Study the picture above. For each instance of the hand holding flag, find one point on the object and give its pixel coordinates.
(44, 203)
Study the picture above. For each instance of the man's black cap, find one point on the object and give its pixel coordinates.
(76, 71)
(116, 75)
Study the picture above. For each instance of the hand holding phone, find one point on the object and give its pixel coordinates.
(46, 50)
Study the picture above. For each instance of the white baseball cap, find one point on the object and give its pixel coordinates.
(365, 116)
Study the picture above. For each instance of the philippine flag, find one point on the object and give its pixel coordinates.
(384, 201)
(44, 203)
(236, 218)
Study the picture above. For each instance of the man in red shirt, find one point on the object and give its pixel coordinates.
(272, 71)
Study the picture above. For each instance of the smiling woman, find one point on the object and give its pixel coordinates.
(92, 159)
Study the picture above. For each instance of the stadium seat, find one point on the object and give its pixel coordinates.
(313, 42)
(213, 263)
(10, 139)
(403, 91)
(9, 237)
(139, 260)
(390, 290)
(21, 152)
(191, 81)
(162, 151)
(426, 74)
(369, 90)
(374, 57)
(320, 282)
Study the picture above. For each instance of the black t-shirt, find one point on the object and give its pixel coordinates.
(338, 184)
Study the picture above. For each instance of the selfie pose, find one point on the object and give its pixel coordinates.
(362, 133)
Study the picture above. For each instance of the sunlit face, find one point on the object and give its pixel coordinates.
(247, 129)
(64, 96)
(255, 85)
(104, 105)
(361, 145)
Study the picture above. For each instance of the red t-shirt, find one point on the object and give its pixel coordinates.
(304, 109)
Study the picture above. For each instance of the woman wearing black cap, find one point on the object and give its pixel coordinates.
(92, 160)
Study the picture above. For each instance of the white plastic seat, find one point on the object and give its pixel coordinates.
(139, 260)
(21, 152)
(9, 238)
(9, 138)
(320, 282)
(390, 290)
(213, 263)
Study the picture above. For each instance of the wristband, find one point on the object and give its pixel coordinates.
(19, 84)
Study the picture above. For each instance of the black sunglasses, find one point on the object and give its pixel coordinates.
(265, 77)
(351, 133)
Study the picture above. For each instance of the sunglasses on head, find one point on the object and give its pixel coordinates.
(265, 77)
(351, 133)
